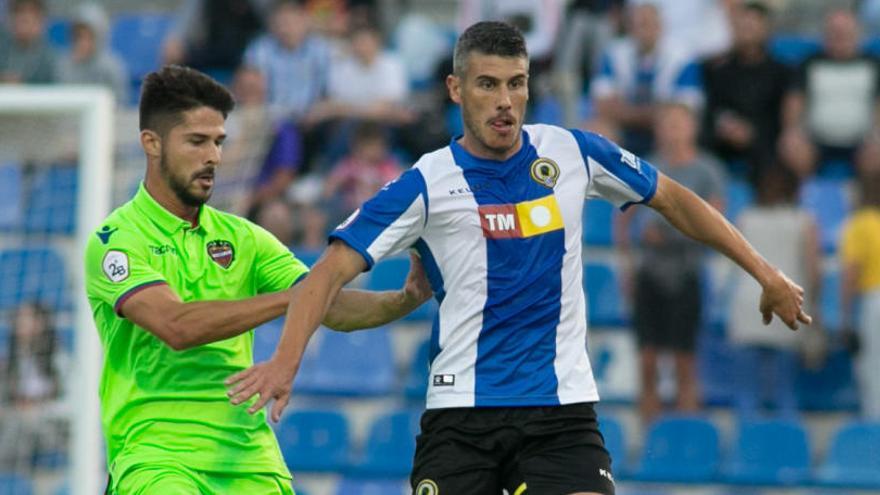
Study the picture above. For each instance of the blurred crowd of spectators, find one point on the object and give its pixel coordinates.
(692, 85)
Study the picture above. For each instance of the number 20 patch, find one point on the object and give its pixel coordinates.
(115, 265)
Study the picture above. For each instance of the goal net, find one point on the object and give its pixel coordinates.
(68, 156)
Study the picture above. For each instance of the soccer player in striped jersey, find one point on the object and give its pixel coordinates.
(496, 217)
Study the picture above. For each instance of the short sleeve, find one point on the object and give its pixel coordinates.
(616, 174)
(275, 267)
(117, 267)
(389, 222)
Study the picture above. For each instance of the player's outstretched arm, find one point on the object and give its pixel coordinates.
(359, 309)
(700, 221)
(184, 325)
(308, 307)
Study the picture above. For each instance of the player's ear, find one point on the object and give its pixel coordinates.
(453, 84)
(151, 142)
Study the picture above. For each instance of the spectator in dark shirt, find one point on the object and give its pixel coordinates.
(211, 35)
(831, 111)
(744, 90)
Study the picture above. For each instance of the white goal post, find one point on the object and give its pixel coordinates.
(94, 107)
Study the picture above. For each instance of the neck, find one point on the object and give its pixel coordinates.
(477, 149)
(168, 200)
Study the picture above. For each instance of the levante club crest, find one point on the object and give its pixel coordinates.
(221, 252)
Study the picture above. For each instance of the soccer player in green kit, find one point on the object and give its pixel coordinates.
(175, 287)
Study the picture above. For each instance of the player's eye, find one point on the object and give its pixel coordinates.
(486, 84)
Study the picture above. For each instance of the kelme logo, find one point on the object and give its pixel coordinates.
(221, 252)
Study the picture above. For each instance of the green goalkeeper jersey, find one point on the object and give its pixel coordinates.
(164, 406)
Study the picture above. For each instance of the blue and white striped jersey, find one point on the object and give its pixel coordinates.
(501, 244)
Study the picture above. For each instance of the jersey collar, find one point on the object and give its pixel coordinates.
(167, 221)
(467, 161)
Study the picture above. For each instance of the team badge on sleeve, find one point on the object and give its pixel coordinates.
(221, 252)
(115, 265)
(545, 172)
(427, 487)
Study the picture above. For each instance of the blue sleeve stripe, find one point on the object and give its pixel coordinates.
(582, 145)
(652, 175)
(353, 243)
(638, 176)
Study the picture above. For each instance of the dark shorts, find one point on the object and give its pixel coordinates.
(667, 319)
(480, 451)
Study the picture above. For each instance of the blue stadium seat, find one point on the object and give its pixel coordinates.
(390, 446)
(830, 388)
(51, 204)
(715, 363)
(307, 256)
(349, 364)
(771, 452)
(266, 338)
(15, 484)
(615, 443)
(792, 49)
(605, 307)
(598, 223)
(390, 274)
(739, 196)
(314, 441)
(32, 274)
(137, 38)
(853, 459)
(416, 383)
(11, 204)
(680, 449)
(356, 486)
(829, 203)
(547, 110)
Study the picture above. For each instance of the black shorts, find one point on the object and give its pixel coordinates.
(664, 319)
(480, 451)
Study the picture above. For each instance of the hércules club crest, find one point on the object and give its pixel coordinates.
(221, 252)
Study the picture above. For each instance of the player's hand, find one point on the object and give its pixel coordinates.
(417, 289)
(785, 299)
(267, 380)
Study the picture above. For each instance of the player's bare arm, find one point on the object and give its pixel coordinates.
(310, 304)
(185, 325)
(700, 221)
(359, 309)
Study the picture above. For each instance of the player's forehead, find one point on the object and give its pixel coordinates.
(496, 66)
(201, 120)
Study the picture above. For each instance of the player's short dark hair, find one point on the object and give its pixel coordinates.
(488, 38)
(172, 90)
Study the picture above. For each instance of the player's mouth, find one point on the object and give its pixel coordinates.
(205, 179)
(503, 124)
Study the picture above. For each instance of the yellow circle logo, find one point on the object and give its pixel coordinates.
(427, 487)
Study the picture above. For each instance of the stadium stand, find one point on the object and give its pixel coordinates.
(51, 202)
(853, 460)
(24, 277)
(829, 203)
(680, 450)
(769, 452)
(137, 39)
(390, 446)
(349, 364)
(314, 441)
(11, 204)
(13, 484)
